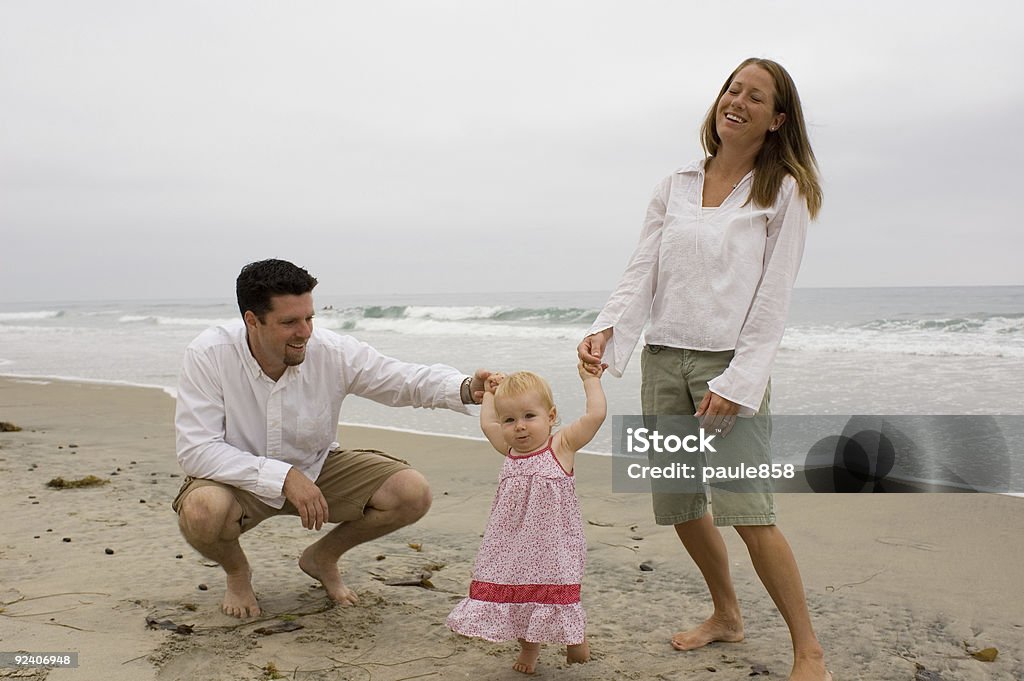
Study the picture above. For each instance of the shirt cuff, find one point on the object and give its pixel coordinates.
(270, 480)
(716, 386)
(453, 391)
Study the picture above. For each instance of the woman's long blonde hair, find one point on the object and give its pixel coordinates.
(787, 151)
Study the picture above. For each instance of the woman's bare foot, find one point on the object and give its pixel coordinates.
(810, 668)
(528, 655)
(713, 629)
(578, 653)
(326, 572)
(811, 675)
(239, 598)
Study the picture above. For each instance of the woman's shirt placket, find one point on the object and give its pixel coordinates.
(705, 286)
(704, 235)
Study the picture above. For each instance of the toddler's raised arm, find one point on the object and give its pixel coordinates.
(489, 423)
(578, 433)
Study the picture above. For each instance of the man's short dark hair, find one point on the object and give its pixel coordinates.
(259, 281)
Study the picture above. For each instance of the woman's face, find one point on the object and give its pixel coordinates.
(746, 111)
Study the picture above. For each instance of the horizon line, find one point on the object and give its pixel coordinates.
(230, 297)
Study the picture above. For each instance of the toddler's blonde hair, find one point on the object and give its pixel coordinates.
(523, 382)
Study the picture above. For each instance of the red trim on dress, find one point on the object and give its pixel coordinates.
(539, 451)
(554, 594)
(569, 473)
(546, 448)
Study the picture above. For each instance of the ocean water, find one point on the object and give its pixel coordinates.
(846, 351)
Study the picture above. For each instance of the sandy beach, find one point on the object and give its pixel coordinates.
(898, 585)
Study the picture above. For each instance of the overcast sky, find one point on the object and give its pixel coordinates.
(149, 149)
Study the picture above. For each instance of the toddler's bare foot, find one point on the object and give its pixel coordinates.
(714, 629)
(239, 598)
(326, 572)
(528, 655)
(578, 653)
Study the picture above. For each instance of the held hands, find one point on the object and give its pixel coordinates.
(591, 351)
(493, 381)
(307, 498)
(590, 370)
(717, 414)
(478, 385)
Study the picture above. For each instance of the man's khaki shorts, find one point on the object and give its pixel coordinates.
(348, 480)
(674, 382)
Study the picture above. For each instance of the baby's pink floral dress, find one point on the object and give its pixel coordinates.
(526, 579)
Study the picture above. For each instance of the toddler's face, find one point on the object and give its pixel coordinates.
(525, 421)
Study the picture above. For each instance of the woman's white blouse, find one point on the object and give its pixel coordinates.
(711, 279)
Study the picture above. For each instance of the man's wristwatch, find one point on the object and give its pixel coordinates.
(466, 391)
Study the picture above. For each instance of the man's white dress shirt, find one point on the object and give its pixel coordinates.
(236, 425)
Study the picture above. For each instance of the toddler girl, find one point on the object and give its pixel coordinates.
(527, 575)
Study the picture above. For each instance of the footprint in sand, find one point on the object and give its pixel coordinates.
(909, 543)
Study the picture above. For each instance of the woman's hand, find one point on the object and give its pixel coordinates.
(717, 414)
(591, 349)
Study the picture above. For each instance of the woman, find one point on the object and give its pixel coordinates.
(713, 274)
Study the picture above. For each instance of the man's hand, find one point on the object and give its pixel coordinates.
(477, 385)
(307, 498)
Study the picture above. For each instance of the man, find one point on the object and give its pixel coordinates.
(256, 420)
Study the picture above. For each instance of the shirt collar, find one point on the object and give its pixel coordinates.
(697, 168)
(693, 167)
(251, 365)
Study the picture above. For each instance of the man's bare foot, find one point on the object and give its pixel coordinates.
(578, 653)
(713, 629)
(239, 598)
(528, 655)
(326, 572)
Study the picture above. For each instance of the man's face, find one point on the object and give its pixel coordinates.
(279, 341)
